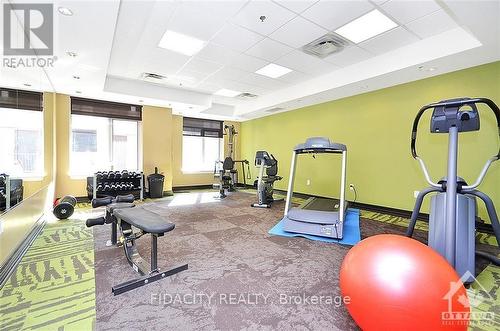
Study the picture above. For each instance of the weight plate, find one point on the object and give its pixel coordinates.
(70, 199)
(63, 210)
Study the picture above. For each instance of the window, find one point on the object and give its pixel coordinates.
(201, 144)
(100, 143)
(21, 142)
(85, 141)
(104, 136)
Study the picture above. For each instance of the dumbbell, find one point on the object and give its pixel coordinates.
(124, 174)
(118, 175)
(111, 175)
(107, 187)
(99, 188)
(64, 208)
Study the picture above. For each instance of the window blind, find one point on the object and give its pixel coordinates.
(19, 99)
(202, 127)
(81, 106)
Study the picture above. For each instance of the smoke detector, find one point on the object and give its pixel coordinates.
(246, 95)
(325, 45)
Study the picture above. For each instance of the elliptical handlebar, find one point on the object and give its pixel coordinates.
(447, 104)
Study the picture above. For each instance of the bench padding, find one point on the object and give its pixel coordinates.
(118, 205)
(144, 220)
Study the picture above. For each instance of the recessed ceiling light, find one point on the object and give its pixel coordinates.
(181, 43)
(72, 54)
(227, 93)
(141, 100)
(76, 77)
(273, 70)
(26, 84)
(366, 26)
(65, 11)
(79, 92)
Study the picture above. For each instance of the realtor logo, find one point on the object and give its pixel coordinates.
(28, 29)
(477, 296)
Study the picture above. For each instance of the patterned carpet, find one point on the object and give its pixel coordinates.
(53, 288)
(61, 285)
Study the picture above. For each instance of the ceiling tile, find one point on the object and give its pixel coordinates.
(333, 14)
(237, 38)
(242, 87)
(216, 53)
(379, 2)
(262, 81)
(269, 50)
(229, 73)
(407, 11)
(191, 17)
(154, 62)
(202, 66)
(208, 87)
(388, 41)
(348, 56)
(298, 32)
(295, 77)
(247, 63)
(191, 75)
(297, 6)
(305, 63)
(276, 16)
(432, 24)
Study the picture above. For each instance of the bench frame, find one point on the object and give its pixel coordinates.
(148, 271)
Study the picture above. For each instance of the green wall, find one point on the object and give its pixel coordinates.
(376, 128)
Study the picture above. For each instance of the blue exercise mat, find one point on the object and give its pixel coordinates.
(352, 233)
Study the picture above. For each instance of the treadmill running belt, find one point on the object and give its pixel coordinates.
(322, 204)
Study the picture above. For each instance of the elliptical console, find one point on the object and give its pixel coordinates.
(453, 211)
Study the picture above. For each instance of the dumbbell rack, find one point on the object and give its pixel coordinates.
(5, 194)
(135, 180)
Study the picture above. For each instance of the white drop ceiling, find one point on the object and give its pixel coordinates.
(117, 42)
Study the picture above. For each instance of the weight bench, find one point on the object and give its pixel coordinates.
(125, 216)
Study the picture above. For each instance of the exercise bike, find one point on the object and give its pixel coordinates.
(265, 183)
(453, 210)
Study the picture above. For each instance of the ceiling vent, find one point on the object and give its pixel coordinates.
(246, 95)
(275, 109)
(151, 76)
(325, 45)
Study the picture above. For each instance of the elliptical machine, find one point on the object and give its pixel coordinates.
(453, 211)
(265, 183)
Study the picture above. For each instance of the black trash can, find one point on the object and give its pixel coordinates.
(155, 182)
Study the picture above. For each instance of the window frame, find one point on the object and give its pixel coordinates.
(201, 171)
(111, 120)
(41, 173)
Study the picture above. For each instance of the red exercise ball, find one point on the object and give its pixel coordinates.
(397, 283)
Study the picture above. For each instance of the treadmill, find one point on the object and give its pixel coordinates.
(318, 216)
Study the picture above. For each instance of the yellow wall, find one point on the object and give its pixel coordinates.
(161, 147)
(65, 185)
(32, 186)
(376, 128)
(189, 179)
(157, 142)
